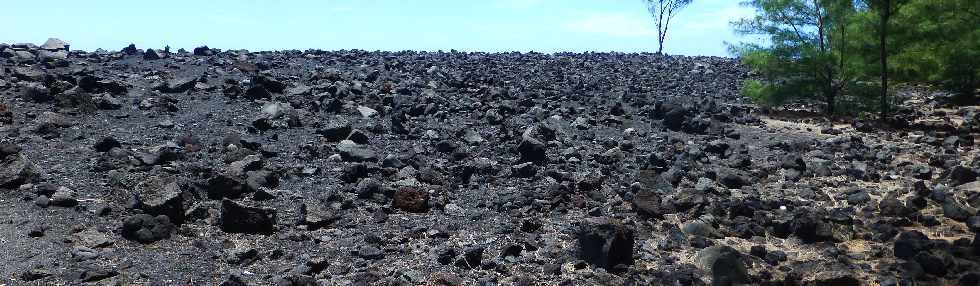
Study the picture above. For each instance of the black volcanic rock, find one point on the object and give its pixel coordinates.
(203, 51)
(463, 168)
(834, 278)
(910, 243)
(269, 83)
(317, 215)
(961, 175)
(674, 116)
(253, 93)
(336, 131)
(732, 179)
(236, 218)
(178, 85)
(647, 203)
(171, 201)
(472, 257)
(226, 185)
(146, 228)
(532, 150)
(956, 211)
(151, 54)
(724, 264)
(130, 50)
(793, 161)
(606, 243)
(106, 143)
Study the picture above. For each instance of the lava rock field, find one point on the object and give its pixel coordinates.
(229, 167)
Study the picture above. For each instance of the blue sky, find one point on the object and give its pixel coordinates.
(467, 25)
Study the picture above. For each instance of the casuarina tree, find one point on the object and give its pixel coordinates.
(663, 11)
(804, 55)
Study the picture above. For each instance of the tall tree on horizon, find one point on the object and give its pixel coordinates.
(885, 10)
(663, 11)
(806, 54)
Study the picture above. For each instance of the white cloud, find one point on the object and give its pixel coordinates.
(617, 25)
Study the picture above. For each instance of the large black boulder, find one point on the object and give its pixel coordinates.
(532, 150)
(724, 264)
(606, 243)
(236, 218)
(910, 243)
(674, 116)
(145, 228)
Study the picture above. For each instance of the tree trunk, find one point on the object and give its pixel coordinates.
(885, 11)
(831, 101)
(661, 29)
(829, 92)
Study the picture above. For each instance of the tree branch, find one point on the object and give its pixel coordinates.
(972, 13)
(793, 25)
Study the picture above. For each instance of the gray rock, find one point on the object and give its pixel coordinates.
(93, 239)
(367, 188)
(724, 264)
(367, 112)
(859, 197)
(370, 252)
(151, 54)
(353, 152)
(472, 257)
(956, 211)
(203, 51)
(472, 137)
(54, 44)
(178, 85)
(15, 169)
(700, 228)
(317, 215)
(64, 197)
(22, 56)
(611, 156)
(49, 56)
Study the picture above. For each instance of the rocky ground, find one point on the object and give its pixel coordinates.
(210, 167)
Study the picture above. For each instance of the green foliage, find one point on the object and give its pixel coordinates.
(781, 80)
(759, 92)
(831, 50)
(940, 43)
(804, 57)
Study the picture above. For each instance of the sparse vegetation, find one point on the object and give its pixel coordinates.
(829, 49)
(663, 11)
